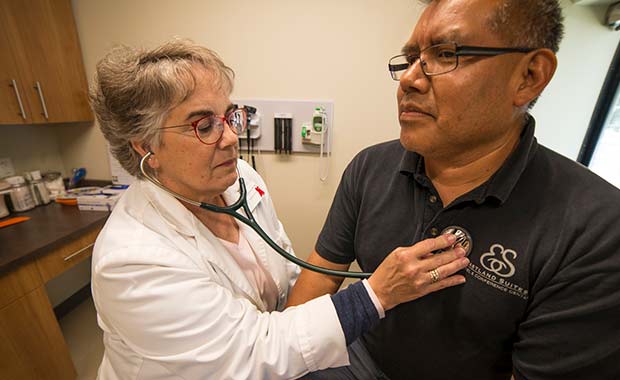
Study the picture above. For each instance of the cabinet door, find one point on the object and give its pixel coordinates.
(33, 345)
(14, 106)
(44, 30)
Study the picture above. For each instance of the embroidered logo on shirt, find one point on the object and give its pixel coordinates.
(259, 191)
(496, 266)
(498, 261)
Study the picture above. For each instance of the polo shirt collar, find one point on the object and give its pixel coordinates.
(500, 185)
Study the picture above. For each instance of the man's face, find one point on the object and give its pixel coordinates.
(458, 114)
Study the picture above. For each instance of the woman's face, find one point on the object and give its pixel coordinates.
(182, 162)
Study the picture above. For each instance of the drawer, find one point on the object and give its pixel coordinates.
(66, 256)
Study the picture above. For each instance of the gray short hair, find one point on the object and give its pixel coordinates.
(527, 23)
(135, 89)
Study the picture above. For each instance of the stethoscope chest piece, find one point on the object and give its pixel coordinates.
(463, 238)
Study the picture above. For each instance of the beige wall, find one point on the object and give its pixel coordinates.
(31, 147)
(323, 49)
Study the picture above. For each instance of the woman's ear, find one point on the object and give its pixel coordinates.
(142, 149)
(536, 72)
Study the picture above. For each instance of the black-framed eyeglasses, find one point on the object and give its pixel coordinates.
(443, 58)
(209, 129)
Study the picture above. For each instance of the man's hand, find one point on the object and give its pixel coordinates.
(408, 273)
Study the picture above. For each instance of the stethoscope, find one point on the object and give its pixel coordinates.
(463, 237)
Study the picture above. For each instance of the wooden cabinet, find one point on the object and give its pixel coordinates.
(59, 260)
(31, 342)
(41, 69)
(13, 107)
(34, 347)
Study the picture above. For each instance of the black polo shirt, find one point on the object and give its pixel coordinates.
(543, 286)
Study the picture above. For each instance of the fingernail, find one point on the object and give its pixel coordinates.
(462, 280)
(460, 252)
(464, 261)
(451, 238)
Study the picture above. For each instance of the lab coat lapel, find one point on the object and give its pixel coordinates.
(180, 219)
(254, 196)
(218, 256)
(176, 217)
(261, 249)
(172, 211)
(231, 195)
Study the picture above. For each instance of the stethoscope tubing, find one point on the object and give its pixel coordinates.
(248, 220)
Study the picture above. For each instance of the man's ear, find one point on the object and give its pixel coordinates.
(142, 149)
(535, 72)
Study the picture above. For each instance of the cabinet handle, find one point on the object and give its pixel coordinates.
(78, 252)
(19, 99)
(42, 99)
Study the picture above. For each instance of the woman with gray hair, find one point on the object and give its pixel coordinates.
(183, 292)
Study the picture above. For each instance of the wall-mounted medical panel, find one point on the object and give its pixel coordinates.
(289, 126)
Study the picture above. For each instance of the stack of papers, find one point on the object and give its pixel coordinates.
(102, 199)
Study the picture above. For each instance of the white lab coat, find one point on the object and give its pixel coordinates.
(173, 304)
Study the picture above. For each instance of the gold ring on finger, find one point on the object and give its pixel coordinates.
(434, 275)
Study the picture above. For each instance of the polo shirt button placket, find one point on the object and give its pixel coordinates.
(434, 232)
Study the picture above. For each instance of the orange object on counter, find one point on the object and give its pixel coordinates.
(67, 201)
(12, 221)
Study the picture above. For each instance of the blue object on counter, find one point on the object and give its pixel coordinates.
(76, 177)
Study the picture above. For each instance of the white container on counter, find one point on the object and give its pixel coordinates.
(38, 189)
(40, 192)
(4, 189)
(20, 194)
(54, 184)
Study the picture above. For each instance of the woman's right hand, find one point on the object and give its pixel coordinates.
(408, 273)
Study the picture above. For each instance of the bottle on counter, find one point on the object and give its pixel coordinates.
(54, 184)
(40, 194)
(20, 195)
(5, 188)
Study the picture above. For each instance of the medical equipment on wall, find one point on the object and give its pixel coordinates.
(283, 133)
(296, 113)
(276, 126)
(463, 236)
(314, 134)
(252, 134)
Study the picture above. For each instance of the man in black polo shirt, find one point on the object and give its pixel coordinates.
(542, 297)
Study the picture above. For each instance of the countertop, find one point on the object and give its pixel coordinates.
(49, 227)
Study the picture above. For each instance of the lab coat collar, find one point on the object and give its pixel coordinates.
(172, 211)
(179, 218)
(254, 194)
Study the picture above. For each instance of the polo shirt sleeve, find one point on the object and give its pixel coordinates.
(572, 326)
(336, 240)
